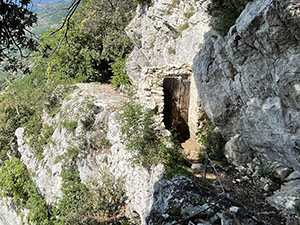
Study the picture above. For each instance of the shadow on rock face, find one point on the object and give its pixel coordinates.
(182, 201)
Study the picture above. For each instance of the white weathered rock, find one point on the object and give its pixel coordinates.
(151, 32)
(293, 176)
(282, 172)
(99, 106)
(284, 199)
(248, 82)
(8, 213)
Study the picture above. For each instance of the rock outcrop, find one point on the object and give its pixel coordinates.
(93, 145)
(249, 82)
(8, 213)
(249, 85)
(181, 201)
(166, 33)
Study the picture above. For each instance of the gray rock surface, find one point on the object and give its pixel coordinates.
(293, 176)
(153, 32)
(284, 199)
(181, 201)
(249, 81)
(236, 151)
(8, 213)
(96, 109)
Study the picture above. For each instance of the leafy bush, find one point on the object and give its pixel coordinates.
(93, 204)
(96, 36)
(148, 145)
(18, 105)
(211, 141)
(226, 13)
(15, 182)
(120, 76)
(73, 192)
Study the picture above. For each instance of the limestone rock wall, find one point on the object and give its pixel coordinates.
(8, 213)
(166, 33)
(95, 108)
(249, 82)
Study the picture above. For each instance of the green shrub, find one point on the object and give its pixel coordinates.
(120, 77)
(148, 145)
(15, 182)
(70, 125)
(40, 138)
(211, 141)
(93, 204)
(89, 49)
(226, 13)
(73, 192)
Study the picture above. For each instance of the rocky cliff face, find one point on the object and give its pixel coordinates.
(8, 213)
(166, 33)
(166, 36)
(93, 144)
(249, 82)
(86, 134)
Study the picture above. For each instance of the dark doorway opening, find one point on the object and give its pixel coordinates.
(176, 106)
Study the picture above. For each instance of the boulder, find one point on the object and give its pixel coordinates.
(249, 82)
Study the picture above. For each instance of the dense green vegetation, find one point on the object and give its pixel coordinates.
(91, 43)
(89, 47)
(15, 182)
(226, 13)
(211, 141)
(149, 146)
(80, 204)
(91, 205)
(89, 53)
(92, 47)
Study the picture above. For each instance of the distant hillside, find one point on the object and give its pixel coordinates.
(49, 14)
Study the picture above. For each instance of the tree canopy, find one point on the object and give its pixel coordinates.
(90, 41)
(16, 18)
